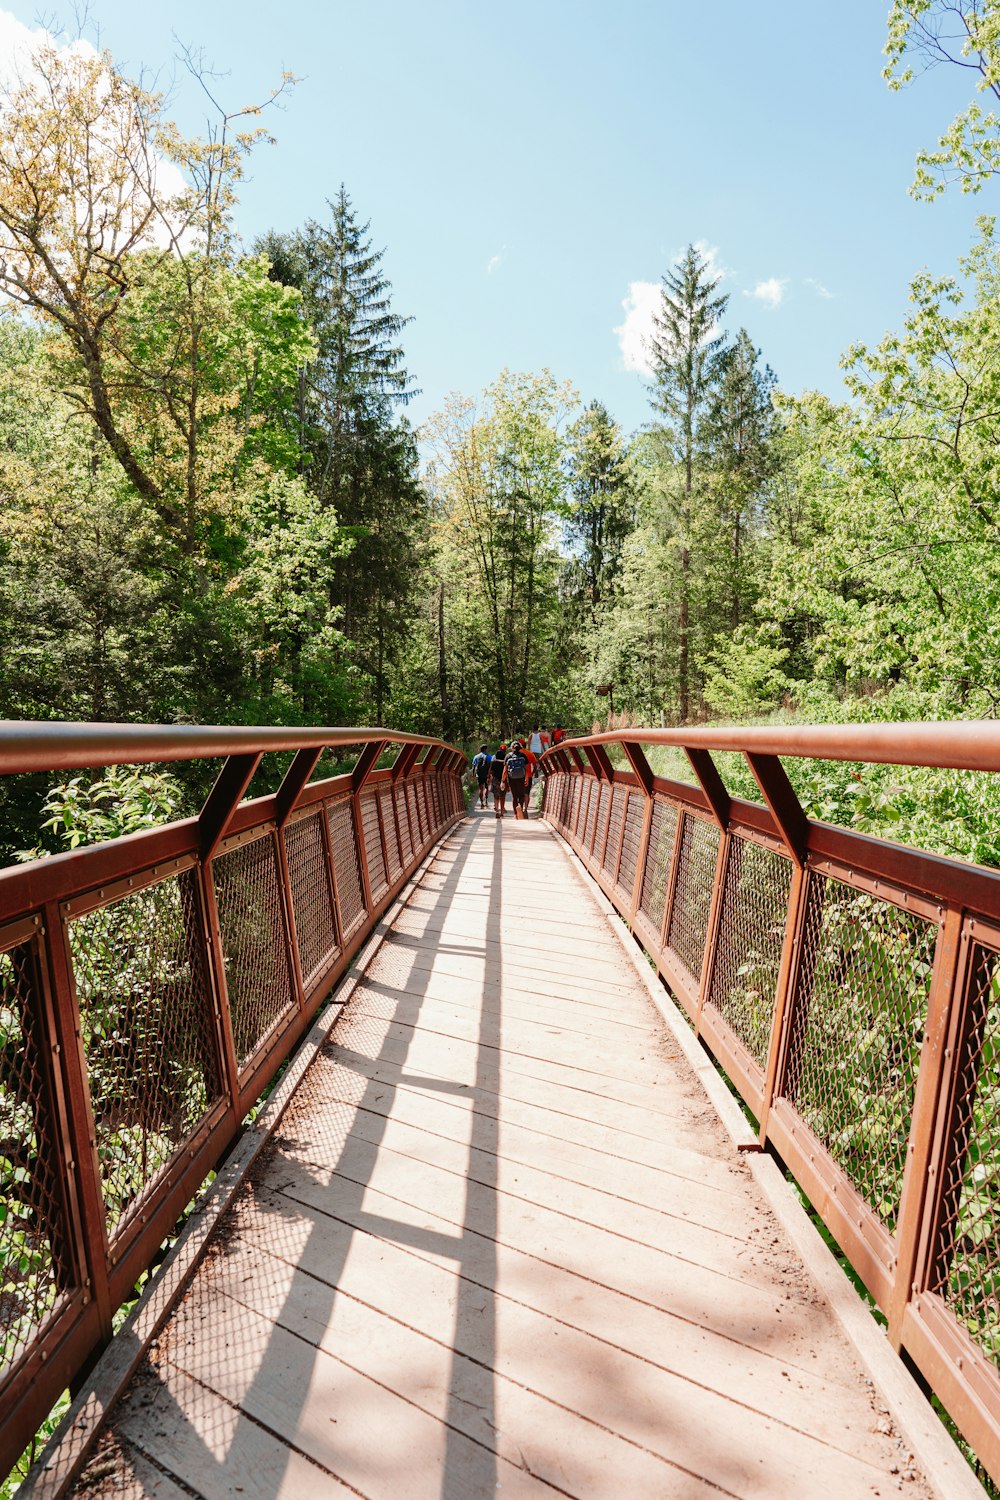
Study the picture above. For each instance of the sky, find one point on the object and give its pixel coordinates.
(533, 169)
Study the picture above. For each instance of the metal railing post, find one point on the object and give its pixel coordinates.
(82, 1132)
(793, 829)
(932, 1136)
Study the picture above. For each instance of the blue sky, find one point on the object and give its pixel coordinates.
(527, 165)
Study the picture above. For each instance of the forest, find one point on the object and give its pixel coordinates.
(214, 508)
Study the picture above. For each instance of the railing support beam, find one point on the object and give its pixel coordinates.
(601, 762)
(711, 783)
(294, 784)
(785, 807)
(636, 758)
(365, 764)
(223, 800)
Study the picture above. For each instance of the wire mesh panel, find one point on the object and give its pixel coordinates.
(577, 798)
(312, 898)
(426, 806)
(601, 827)
(693, 897)
(659, 858)
(148, 1033)
(36, 1266)
(252, 925)
(416, 832)
(590, 826)
(373, 846)
(631, 838)
(570, 802)
(420, 807)
(616, 818)
(346, 869)
(859, 1010)
(394, 863)
(751, 933)
(966, 1271)
(405, 839)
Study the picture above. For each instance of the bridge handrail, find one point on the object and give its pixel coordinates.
(150, 988)
(850, 989)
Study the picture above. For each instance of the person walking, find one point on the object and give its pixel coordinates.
(481, 763)
(517, 778)
(538, 742)
(498, 784)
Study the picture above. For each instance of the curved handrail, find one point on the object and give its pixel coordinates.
(966, 745)
(43, 745)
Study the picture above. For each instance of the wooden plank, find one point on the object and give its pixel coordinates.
(605, 1405)
(501, 1436)
(695, 1180)
(209, 1445)
(664, 1151)
(531, 1079)
(387, 1444)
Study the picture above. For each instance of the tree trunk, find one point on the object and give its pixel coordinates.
(442, 667)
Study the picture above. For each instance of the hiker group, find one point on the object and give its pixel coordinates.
(511, 768)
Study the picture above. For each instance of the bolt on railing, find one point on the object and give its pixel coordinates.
(850, 989)
(151, 987)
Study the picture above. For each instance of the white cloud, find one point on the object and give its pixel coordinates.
(494, 263)
(19, 45)
(710, 254)
(771, 292)
(642, 302)
(818, 288)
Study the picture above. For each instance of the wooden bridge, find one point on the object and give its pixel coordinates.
(502, 1228)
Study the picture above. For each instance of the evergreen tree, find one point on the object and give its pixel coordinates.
(738, 435)
(603, 503)
(360, 455)
(684, 349)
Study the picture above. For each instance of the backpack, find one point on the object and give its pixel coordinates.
(517, 765)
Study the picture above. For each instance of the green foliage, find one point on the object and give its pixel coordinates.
(744, 675)
(126, 799)
(922, 34)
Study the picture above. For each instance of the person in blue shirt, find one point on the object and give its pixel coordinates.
(481, 765)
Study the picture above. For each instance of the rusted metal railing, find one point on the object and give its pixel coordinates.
(150, 987)
(850, 988)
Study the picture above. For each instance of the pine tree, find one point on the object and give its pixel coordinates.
(684, 350)
(738, 435)
(603, 506)
(361, 455)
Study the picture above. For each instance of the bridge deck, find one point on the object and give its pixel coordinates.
(501, 1244)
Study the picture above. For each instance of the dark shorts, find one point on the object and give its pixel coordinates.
(518, 790)
(482, 777)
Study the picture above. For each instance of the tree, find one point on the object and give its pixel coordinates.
(895, 577)
(965, 33)
(498, 487)
(684, 346)
(603, 502)
(87, 226)
(737, 435)
(357, 454)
